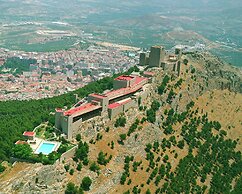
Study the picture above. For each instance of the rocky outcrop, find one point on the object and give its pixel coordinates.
(36, 179)
(218, 74)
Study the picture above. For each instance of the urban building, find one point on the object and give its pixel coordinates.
(55, 73)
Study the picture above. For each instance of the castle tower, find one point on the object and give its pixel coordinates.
(178, 68)
(58, 115)
(143, 59)
(157, 55)
(174, 67)
(178, 52)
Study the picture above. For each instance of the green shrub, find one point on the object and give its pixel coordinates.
(71, 171)
(94, 167)
(71, 188)
(79, 166)
(120, 122)
(86, 183)
(78, 137)
(67, 167)
(2, 168)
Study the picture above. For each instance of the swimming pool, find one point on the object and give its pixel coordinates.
(46, 148)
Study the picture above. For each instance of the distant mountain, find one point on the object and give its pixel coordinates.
(216, 20)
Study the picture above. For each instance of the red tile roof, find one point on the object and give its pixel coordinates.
(115, 92)
(114, 105)
(120, 103)
(125, 77)
(20, 142)
(111, 95)
(124, 91)
(149, 73)
(29, 133)
(125, 101)
(139, 80)
(98, 95)
(88, 106)
(58, 110)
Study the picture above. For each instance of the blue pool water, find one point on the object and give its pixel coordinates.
(46, 148)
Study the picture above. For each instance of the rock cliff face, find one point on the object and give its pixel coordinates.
(35, 178)
(210, 75)
(218, 74)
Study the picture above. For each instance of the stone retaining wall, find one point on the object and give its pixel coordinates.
(67, 155)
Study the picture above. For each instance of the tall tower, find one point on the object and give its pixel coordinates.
(178, 68)
(143, 59)
(178, 52)
(157, 55)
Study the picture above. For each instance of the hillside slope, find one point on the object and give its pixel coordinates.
(184, 138)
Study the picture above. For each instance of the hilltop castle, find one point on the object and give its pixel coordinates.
(127, 90)
(125, 94)
(158, 57)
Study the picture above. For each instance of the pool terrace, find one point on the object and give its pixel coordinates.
(46, 147)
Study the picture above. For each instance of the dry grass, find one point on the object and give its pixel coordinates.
(225, 107)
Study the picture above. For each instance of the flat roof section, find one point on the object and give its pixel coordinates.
(82, 109)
